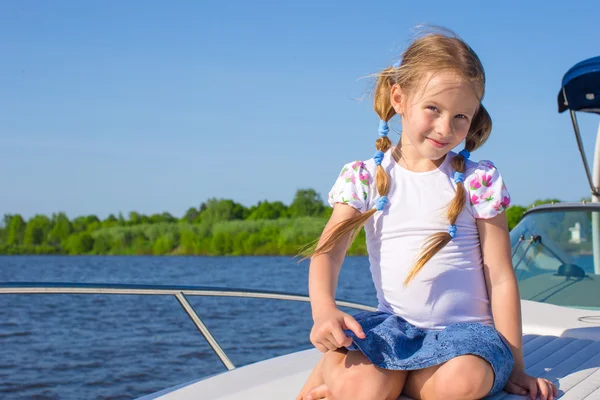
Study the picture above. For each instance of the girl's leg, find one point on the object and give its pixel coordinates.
(316, 376)
(356, 378)
(465, 377)
(351, 376)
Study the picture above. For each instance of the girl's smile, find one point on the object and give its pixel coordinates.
(437, 144)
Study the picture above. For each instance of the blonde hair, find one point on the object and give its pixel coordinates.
(432, 53)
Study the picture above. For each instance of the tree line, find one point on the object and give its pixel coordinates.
(216, 227)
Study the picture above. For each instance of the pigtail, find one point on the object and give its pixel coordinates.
(481, 126)
(352, 226)
(480, 131)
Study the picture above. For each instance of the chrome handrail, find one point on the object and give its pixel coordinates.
(180, 293)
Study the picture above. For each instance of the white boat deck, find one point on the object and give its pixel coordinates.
(560, 344)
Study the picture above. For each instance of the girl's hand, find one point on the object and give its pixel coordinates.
(521, 383)
(327, 331)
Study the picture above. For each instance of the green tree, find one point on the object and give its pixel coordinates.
(111, 220)
(101, 244)
(221, 210)
(163, 217)
(189, 242)
(92, 223)
(327, 211)
(514, 215)
(134, 218)
(307, 203)
(61, 229)
(37, 230)
(79, 243)
(163, 245)
(190, 215)
(122, 239)
(15, 229)
(267, 210)
(140, 246)
(85, 223)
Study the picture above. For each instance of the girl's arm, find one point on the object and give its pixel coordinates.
(501, 282)
(325, 268)
(506, 303)
(323, 276)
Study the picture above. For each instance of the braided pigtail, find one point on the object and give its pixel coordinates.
(481, 127)
(353, 225)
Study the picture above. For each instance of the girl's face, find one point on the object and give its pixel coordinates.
(436, 117)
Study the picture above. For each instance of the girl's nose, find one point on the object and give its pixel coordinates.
(444, 126)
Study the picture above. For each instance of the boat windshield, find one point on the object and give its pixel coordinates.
(553, 257)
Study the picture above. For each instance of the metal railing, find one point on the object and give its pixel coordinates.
(180, 293)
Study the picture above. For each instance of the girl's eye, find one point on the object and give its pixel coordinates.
(432, 108)
(461, 116)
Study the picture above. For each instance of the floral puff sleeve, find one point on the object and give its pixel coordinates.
(487, 192)
(351, 186)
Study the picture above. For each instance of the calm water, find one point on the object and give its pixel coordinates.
(122, 347)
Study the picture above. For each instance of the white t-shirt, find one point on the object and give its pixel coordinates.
(450, 287)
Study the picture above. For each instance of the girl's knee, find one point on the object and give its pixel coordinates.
(357, 385)
(364, 381)
(466, 377)
(349, 383)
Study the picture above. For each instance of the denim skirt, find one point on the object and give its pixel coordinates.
(393, 343)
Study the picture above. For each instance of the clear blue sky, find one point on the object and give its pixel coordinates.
(157, 106)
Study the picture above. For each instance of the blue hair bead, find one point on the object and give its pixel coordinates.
(378, 157)
(459, 177)
(381, 202)
(465, 153)
(452, 231)
(383, 128)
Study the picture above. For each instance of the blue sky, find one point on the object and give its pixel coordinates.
(157, 106)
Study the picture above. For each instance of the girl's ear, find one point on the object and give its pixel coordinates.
(397, 99)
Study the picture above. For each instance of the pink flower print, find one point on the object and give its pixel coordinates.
(364, 179)
(505, 201)
(474, 184)
(474, 199)
(357, 165)
(498, 206)
(354, 196)
(348, 175)
(486, 180)
(487, 196)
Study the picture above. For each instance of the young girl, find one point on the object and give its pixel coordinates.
(448, 324)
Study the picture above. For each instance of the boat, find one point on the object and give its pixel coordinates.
(556, 258)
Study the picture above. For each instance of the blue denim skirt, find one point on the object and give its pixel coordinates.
(393, 343)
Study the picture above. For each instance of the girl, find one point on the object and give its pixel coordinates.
(448, 324)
